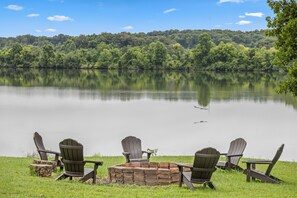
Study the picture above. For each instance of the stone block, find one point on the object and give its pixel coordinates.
(164, 165)
(128, 170)
(164, 176)
(173, 165)
(174, 170)
(163, 171)
(52, 163)
(153, 165)
(151, 171)
(134, 164)
(128, 176)
(144, 164)
(150, 178)
(41, 170)
(174, 177)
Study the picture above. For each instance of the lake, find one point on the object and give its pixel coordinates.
(177, 113)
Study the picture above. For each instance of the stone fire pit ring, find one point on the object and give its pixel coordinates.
(144, 173)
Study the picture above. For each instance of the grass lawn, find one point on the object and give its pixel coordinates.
(16, 181)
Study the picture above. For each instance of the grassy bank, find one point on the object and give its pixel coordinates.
(16, 181)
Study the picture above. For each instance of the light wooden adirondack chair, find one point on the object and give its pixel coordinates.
(202, 169)
(73, 159)
(132, 150)
(233, 156)
(43, 152)
(256, 174)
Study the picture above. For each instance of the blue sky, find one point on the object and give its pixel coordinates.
(75, 17)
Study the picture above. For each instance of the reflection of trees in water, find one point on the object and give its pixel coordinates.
(125, 85)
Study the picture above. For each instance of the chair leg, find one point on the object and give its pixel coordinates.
(87, 177)
(180, 180)
(211, 185)
(188, 183)
(62, 176)
(94, 177)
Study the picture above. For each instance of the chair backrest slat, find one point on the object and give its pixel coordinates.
(72, 156)
(40, 146)
(133, 145)
(275, 159)
(204, 164)
(237, 146)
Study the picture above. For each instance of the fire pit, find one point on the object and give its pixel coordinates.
(144, 173)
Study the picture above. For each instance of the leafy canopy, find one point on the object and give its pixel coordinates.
(283, 26)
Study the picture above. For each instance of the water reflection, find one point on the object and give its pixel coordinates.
(127, 85)
(177, 113)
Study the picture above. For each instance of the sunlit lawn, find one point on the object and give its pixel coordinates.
(16, 181)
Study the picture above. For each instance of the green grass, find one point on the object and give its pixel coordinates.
(16, 181)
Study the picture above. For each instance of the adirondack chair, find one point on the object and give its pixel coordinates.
(233, 156)
(256, 174)
(73, 159)
(43, 152)
(132, 150)
(201, 171)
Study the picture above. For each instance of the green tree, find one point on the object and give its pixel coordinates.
(202, 50)
(15, 58)
(157, 55)
(48, 56)
(134, 58)
(283, 27)
(105, 59)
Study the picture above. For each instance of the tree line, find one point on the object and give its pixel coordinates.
(221, 50)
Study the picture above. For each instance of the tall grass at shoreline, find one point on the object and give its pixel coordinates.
(16, 181)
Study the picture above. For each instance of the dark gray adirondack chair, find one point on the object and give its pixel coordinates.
(256, 174)
(204, 165)
(43, 152)
(233, 156)
(132, 150)
(73, 159)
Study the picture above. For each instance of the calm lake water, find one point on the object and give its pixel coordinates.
(100, 108)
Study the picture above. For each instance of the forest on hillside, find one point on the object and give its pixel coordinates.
(221, 50)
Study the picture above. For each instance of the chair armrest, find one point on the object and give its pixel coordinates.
(99, 163)
(57, 154)
(257, 162)
(96, 163)
(223, 153)
(127, 154)
(182, 166)
(148, 154)
(51, 152)
(235, 155)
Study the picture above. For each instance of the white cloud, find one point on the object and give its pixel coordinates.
(129, 27)
(38, 31)
(254, 14)
(169, 10)
(50, 30)
(59, 18)
(243, 22)
(33, 15)
(14, 7)
(241, 16)
(231, 1)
